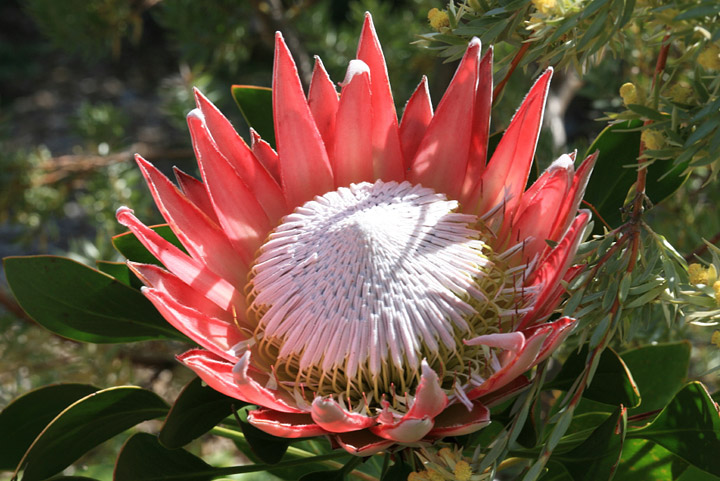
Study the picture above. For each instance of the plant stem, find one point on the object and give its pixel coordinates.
(513, 65)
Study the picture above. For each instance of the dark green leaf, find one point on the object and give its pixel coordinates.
(28, 415)
(129, 245)
(612, 383)
(688, 427)
(672, 360)
(81, 303)
(195, 412)
(72, 478)
(85, 424)
(121, 272)
(144, 459)
(399, 470)
(647, 112)
(642, 459)
(706, 10)
(694, 474)
(328, 475)
(256, 106)
(597, 457)
(269, 449)
(612, 179)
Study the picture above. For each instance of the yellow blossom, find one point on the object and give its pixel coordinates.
(653, 139)
(710, 57)
(629, 93)
(418, 476)
(462, 471)
(545, 6)
(697, 274)
(715, 339)
(681, 93)
(438, 19)
(716, 288)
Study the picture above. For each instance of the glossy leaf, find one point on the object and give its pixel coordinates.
(645, 364)
(688, 427)
(597, 457)
(28, 415)
(643, 459)
(85, 424)
(80, 303)
(120, 271)
(143, 458)
(129, 245)
(256, 107)
(612, 178)
(197, 409)
(268, 449)
(612, 383)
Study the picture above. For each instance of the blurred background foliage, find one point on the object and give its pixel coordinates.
(84, 84)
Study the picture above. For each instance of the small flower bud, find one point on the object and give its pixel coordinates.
(715, 339)
(653, 139)
(462, 471)
(710, 57)
(716, 288)
(629, 94)
(681, 93)
(438, 19)
(545, 6)
(698, 274)
(418, 476)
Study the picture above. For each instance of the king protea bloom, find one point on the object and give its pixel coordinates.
(380, 283)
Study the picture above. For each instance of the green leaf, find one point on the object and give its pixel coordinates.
(611, 384)
(643, 459)
(399, 470)
(327, 475)
(612, 179)
(129, 245)
(672, 360)
(688, 427)
(144, 459)
(83, 304)
(85, 424)
(120, 271)
(256, 107)
(648, 112)
(268, 449)
(28, 415)
(197, 409)
(708, 9)
(597, 457)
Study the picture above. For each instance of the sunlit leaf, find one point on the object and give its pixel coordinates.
(688, 427)
(28, 415)
(643, 459)
(129, 245)
(80, 303)
(85, 424)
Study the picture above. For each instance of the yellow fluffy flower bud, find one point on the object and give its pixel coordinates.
(653, 139)
(697, 274)
(716, 288)
(715, 339)
(710, 57)
(462, 471)
(438, 19)
(681, 93)
(545, 6)
(418, 476)
(629, 94)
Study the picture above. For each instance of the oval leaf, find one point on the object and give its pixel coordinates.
(80, 303)
(195, 412)
(85, 424)
(129, 245)
(28, 415)
(143, 459)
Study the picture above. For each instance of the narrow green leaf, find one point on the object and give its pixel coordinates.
(688, 427)
(83, 304)
(28, 415)
(85, 424)
(143, 459)
(129, 245)
(197, 409)
(706, 10)
(672, 360)
(648, 112)
(255, 104)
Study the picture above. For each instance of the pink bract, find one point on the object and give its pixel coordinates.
(328, 146)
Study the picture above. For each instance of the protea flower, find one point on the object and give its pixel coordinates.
(377, 283)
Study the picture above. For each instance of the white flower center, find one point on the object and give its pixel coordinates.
(364, 275)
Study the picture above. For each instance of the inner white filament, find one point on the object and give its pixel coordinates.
(366, 273)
